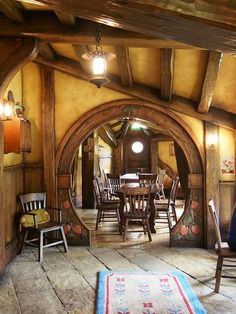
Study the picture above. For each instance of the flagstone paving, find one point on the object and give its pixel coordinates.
(66, 283)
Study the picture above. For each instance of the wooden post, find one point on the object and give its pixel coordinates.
(88, 172)
(154, 156)
(48, 134)
(118, 157)
(2, 238)
(211, 178)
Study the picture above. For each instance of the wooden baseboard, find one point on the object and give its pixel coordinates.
(11, 250)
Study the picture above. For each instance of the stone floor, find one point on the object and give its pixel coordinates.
(66, 282)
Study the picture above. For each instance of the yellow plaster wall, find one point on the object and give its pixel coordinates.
(32, 104)
(164, 155)
(74, 98)
(226, 151)
(105, 154)
(16, 87)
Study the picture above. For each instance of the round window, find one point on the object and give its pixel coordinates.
(137, 147)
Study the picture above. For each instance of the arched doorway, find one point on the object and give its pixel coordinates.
(189, 231)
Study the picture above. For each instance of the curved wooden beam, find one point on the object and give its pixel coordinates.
(166, 119)
(14, 54)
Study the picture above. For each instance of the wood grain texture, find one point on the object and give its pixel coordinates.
(45, 26)
(11, 9)
(178, 104)
(167, 63)
(149, 19)
(156, 115)
(17, 52)
(48, 134)
(122, 55)
(212, 71)
(212, 170)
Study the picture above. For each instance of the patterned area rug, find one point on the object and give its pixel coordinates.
(145, 293)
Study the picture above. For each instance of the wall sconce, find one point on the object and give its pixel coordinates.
(99, 60)
(212, 139)
(6, 110)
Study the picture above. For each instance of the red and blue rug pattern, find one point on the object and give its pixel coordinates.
(146, 293)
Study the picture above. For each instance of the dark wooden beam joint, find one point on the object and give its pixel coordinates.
(167, 63)
(212, 71)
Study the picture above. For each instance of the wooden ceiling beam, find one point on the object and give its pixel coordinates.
(45, 26)
(65, 18)
(167, 64)
(103, 134)
(11, 10)
(178, 104)
(122, 55)
(147, 18)
(209, 84)
(80, 50)
(125, 128)
(46, 51)
(110, 134)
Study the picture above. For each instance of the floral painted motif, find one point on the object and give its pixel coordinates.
(190, 229)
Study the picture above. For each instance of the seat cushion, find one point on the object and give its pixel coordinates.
(42, 216)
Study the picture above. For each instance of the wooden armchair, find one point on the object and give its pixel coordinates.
(222, 249)
(35, 220)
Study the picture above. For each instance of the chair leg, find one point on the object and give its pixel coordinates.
(98, 219)
(148, 229)
(126, 228)
(64, 239)
(40, 250)
(25, 236)
(169, 219)
(218, 272)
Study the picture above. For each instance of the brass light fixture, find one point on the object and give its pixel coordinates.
(99, 60)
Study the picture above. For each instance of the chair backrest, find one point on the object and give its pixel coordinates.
(100, 186)
(114, 182)
(161, 177)
(136, 199)
(147, 179)
(173, 190)
(96, 192)
(212, 209)
(32, 201)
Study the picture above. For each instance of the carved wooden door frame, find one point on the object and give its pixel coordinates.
(189, 231)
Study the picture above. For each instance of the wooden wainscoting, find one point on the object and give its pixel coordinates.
(227, 199)
(17, 179)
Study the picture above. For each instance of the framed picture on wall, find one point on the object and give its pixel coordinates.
(172, 149)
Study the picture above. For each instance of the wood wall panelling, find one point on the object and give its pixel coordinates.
(227, 200)
(33, 178)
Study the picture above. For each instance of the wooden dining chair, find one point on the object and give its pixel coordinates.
(165, 208)
(160, 182)
(107, 210)
(114, 184)
(148, 179)
(36, 220)
(222, 249)
(136, 200)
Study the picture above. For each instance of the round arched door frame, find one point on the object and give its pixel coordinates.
(189, 229)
